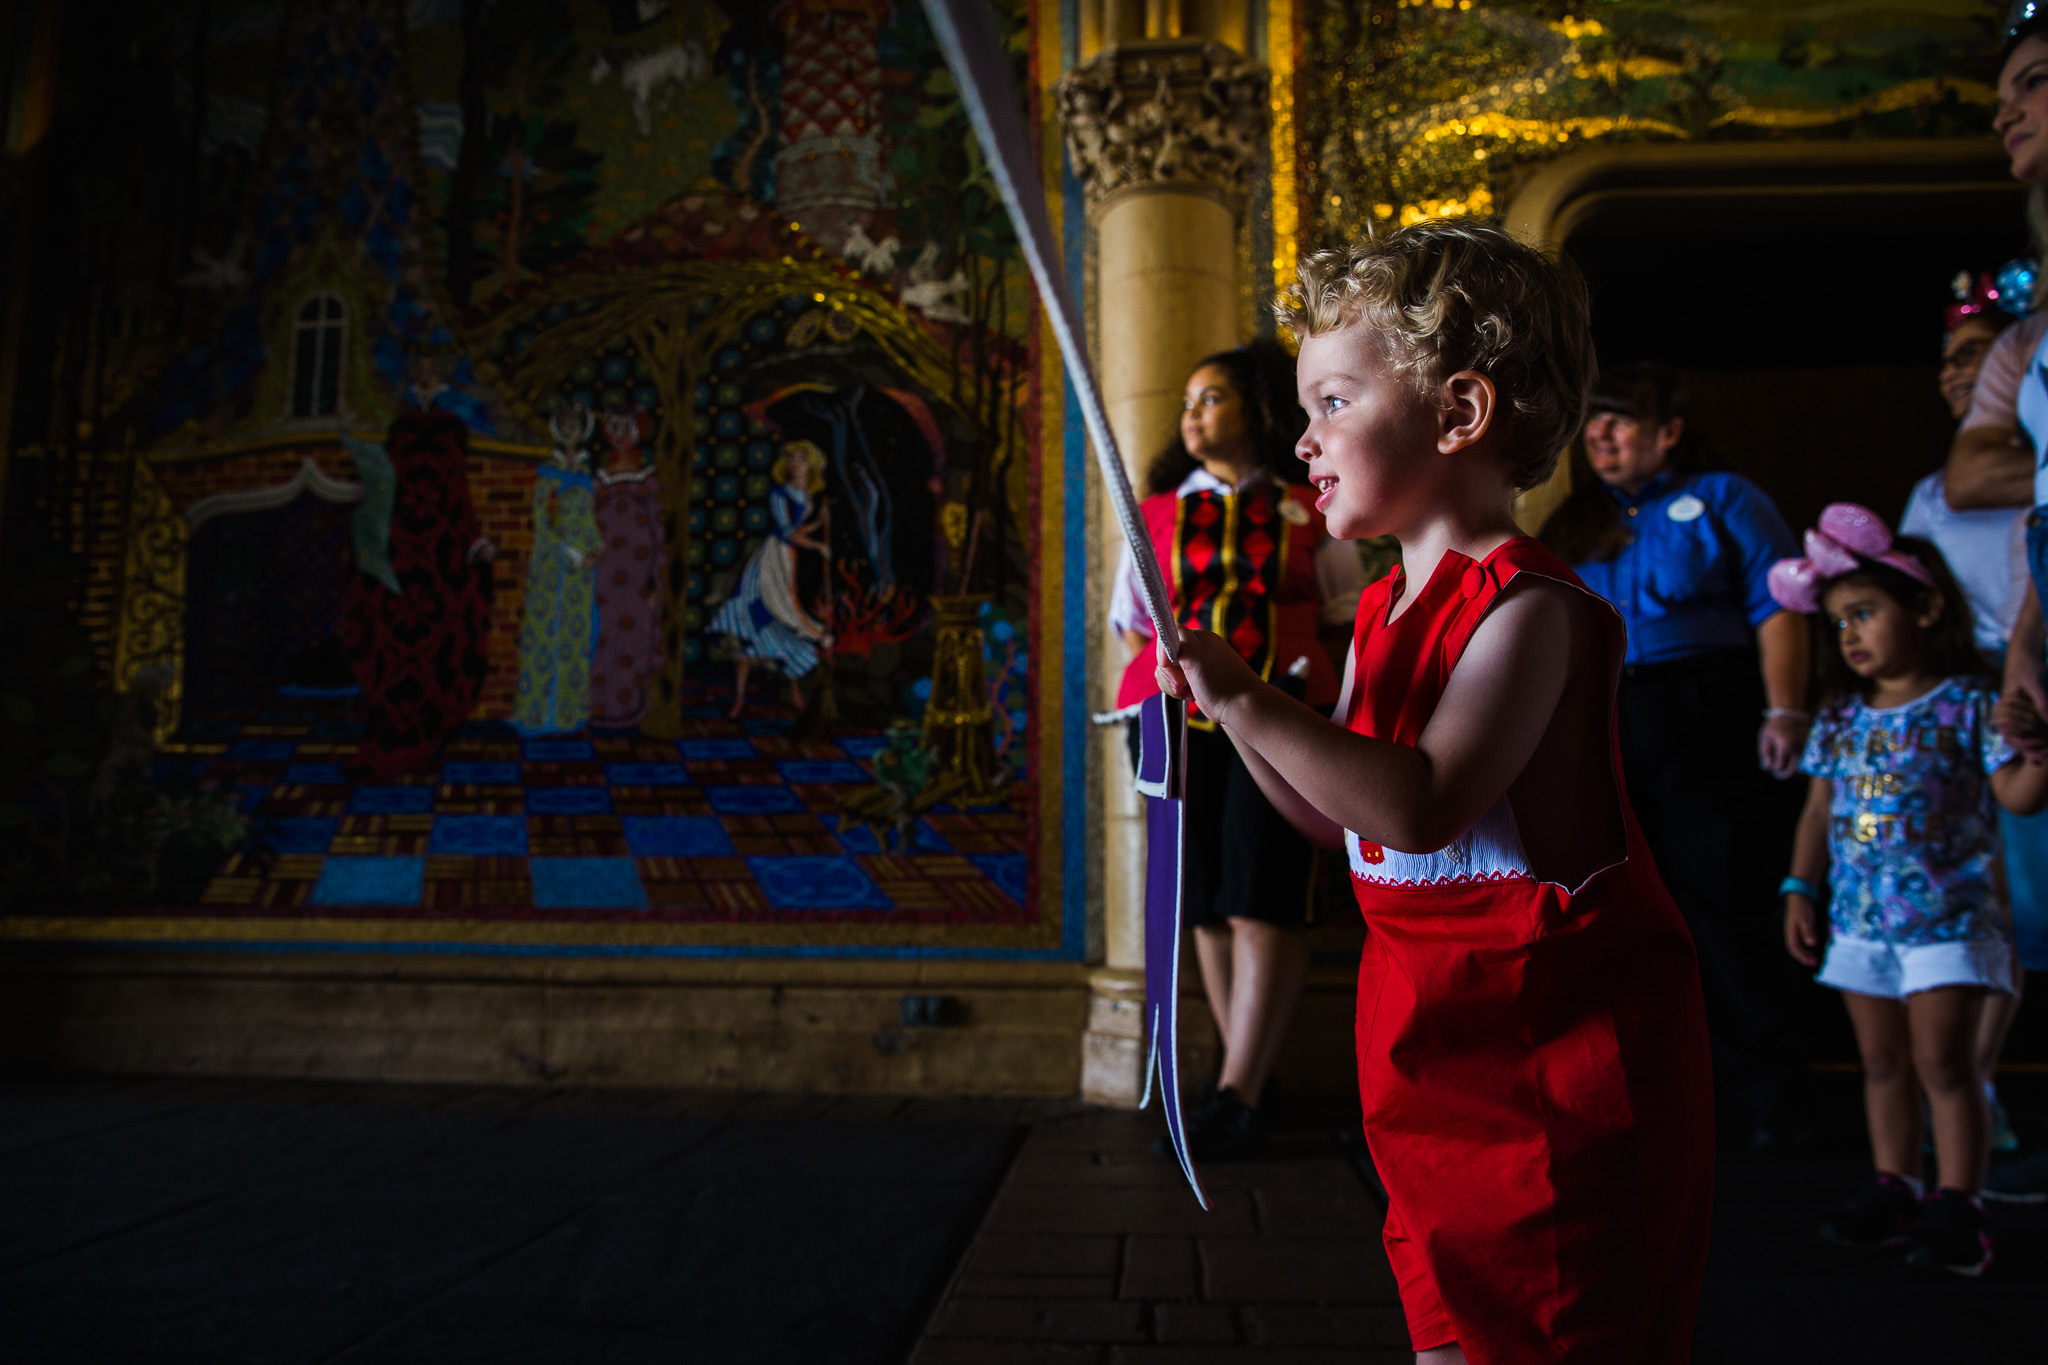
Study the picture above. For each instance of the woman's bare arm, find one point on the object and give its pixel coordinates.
(1989, 467)
(2021, 786)
(1494, 711)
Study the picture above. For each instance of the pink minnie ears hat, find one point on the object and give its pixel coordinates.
(1846, 535)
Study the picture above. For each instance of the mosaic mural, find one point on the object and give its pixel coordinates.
(570, 475)
(592, 433)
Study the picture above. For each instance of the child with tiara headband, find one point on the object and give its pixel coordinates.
(1532, 1048)
(1908, 770)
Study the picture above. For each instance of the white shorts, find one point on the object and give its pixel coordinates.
(1893, 971)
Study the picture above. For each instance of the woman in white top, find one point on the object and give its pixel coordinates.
(1997, 461)
(1979, 545)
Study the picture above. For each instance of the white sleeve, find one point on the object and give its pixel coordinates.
(1919, 518)
(2022, 576)
(1126, 603)
(1340, 576)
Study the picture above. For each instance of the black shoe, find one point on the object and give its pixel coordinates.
(1193, 1124)
(1234, 1130)
(1879, 1217)
(1223, 1129)
(1954, 1235)
(2019, 1179)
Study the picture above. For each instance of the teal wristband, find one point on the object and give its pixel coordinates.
(1799, 886)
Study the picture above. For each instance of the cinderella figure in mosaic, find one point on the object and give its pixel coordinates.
(762, 620)
(559, 626)
(628, 575)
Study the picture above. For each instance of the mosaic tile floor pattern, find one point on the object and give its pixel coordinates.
(734, 821)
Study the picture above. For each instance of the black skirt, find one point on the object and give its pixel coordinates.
(1240, 859)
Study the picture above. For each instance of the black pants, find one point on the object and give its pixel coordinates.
(1720, 829)
(1240, 857)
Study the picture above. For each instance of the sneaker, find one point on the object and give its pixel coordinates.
(1879, 1217)
(1954, 1235)
(2019, 1179)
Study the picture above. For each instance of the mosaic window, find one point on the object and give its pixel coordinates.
(317, 336)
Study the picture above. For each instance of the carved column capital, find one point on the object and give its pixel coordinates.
(1164, 114)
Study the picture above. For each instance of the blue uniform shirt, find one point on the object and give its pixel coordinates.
(1691, 578)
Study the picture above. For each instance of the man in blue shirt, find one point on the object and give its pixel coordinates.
(1711, 708)
(1689, 576)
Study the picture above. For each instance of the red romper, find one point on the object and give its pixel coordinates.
(1532, 1060)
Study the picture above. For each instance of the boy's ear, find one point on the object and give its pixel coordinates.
(1467, 403)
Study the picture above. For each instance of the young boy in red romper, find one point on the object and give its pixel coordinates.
(1532, 1049)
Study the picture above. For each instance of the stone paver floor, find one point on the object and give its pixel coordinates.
(1094, 1250)
(252, 1221)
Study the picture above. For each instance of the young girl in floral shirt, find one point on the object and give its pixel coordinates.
(1901, 819)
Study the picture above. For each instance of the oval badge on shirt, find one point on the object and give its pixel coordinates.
(1687, 508)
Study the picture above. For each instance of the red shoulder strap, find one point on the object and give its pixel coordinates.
(1487, 579)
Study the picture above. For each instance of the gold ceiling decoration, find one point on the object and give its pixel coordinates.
(1413, 109)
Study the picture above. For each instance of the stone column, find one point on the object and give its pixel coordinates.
(1164, 135)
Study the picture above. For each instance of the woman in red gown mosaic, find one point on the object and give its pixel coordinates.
(629, 571)
(418, 653)
(1533, 1065)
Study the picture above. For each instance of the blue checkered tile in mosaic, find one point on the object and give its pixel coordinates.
(587, 884)
(391, 801)
(297, 833)
(481, 774)
(646, 774)
(498, 836)
(365, 881)
(568, 801)
(700, 750)
(806, 771)
(761, 800)
(558, 751)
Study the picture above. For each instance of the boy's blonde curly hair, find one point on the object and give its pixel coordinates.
(1448, 296)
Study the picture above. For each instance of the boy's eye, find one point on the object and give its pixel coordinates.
(1331, 402)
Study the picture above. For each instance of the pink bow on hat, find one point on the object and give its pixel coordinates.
(1847, 535)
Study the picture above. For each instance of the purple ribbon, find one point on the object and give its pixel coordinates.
(1162, 779)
